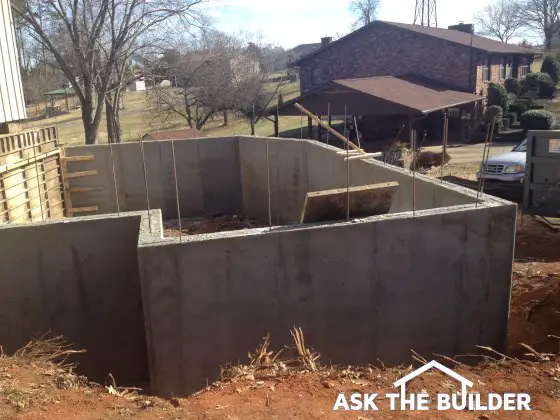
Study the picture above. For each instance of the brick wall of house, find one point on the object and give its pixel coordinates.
(382, 50)
(512, 64)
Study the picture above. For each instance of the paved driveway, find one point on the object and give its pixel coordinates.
(469, 153)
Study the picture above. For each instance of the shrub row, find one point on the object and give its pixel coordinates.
(537, 119)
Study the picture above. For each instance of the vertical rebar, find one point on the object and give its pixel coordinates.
(254, 129)
(143, 158)
(445, 139)
(413, 141)
(114, 178)
(38, 185)
(357, 132)
(347, 169)
(301, 125)
(268, 188)
(345, 116)
(329, 120)
(177, 191)
(485, 160)
(482, 166)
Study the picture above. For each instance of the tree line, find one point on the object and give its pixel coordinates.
(510, 19)
(89, 45)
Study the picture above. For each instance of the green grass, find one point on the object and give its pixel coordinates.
(140, 117)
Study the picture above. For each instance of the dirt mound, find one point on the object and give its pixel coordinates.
(210, 224)
(294, 394)
(535, 307)
(535, 298)
(535, 242)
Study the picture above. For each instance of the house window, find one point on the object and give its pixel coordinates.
(503, 68)
(522, 72)
(317, 76)
(509, 68)
(486, 69)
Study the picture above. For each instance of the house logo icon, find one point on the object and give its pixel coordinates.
(401, 383)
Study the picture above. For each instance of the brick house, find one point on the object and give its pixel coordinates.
(455, 57)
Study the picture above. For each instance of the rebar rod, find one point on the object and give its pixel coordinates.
(268, 188)
(176, 192)
(114, 178)
(143, 158)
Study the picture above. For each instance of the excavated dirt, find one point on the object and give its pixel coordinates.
(209, 224)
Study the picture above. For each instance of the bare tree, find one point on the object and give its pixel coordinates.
(204, 80)
(91, 39)
(542, 16)
(365, 10)
(253, 90)
(502, 20)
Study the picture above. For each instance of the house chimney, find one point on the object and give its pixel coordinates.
(325, 41)
(463, 27)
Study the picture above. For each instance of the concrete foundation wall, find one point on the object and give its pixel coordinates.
(297, 167)
(78, 278)
(207, 174)
(229, 175)
(436, 283)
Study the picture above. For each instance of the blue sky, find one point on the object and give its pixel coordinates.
(292, 22)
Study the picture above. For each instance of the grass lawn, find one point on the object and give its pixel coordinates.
(140, 117)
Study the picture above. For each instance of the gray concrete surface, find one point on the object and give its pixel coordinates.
(298, 167)
(229, 175)
(436, 280)
(77, 278)
(207, 175)
(436, 283)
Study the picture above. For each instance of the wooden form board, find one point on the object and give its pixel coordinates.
(365, 201)
(67, 176)
(551, 222)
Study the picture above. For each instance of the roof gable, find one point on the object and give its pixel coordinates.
(449, 35)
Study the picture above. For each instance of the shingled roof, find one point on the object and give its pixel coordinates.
(450, 35)
(411, 92)
(384, 95)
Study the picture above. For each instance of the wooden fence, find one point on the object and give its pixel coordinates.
(31, 184)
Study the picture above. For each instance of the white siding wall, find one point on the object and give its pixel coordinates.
(12, 104)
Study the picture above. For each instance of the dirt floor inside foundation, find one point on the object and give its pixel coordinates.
(34, 388)
(209, 224)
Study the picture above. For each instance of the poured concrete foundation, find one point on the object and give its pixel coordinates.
(435, 278)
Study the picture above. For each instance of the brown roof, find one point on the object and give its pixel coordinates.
(464, 38)
(386, 95)
(410, 92)
(189, 133)
(451, 35)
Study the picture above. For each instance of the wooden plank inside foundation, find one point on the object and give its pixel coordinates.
(365, 201)
(78, 158)
(77, 190)
(72, 175)
(551, 222)
(84, 209)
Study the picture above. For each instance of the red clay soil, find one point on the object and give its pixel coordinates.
(209, 224)
(535, 305)
(32, 391)
(298, 395)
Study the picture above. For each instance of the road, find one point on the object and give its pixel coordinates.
(469, 153)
